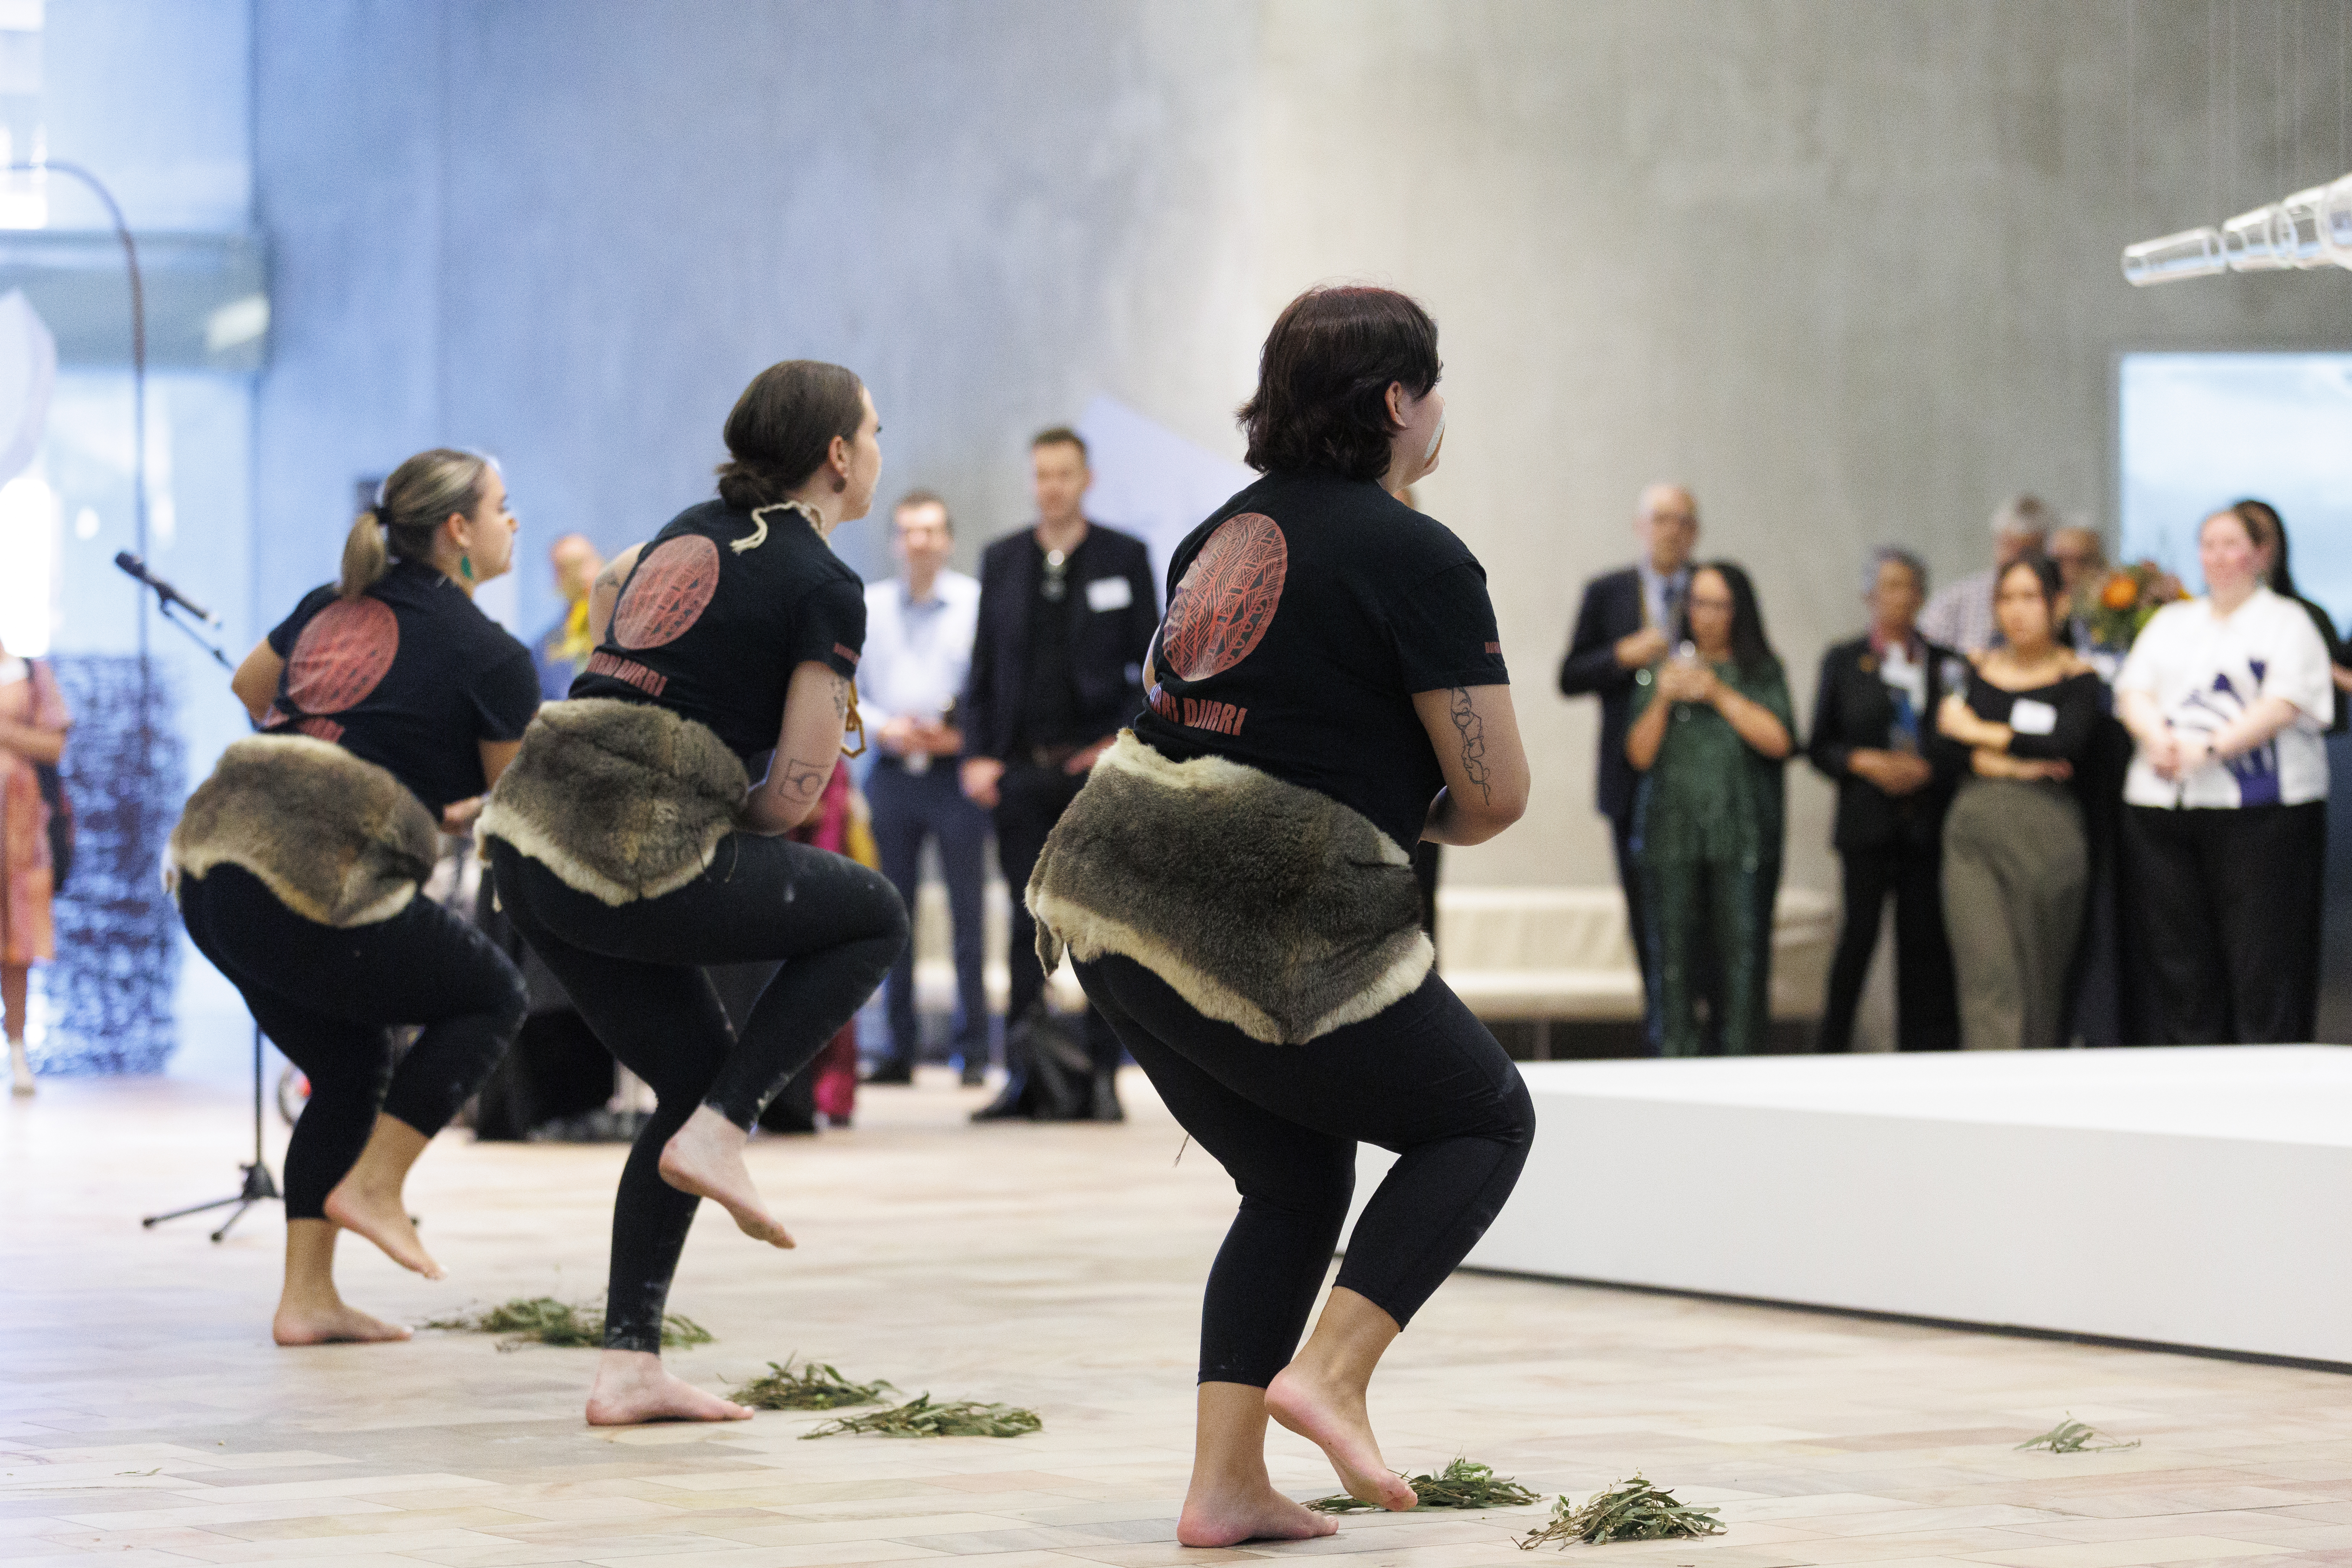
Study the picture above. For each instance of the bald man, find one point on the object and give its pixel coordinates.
(1628, 623)
(561, 649)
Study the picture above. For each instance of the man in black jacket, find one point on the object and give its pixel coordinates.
(1066, 612)
(1628, 621)
(1874, 737)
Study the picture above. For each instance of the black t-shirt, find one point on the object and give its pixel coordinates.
(2047, 723)
(1049, 715)
(713, 633)
(1302, 617)
(409, 675)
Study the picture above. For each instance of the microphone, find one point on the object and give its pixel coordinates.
(164, 590)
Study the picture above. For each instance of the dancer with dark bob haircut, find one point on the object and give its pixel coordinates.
(387, 704)
(1236, 887)
(631, 846)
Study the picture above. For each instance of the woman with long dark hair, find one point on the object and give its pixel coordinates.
(388, 704)
(2268, 530)
(631, 846)
(1236, 886)
(2016, 855)
(1711, 730)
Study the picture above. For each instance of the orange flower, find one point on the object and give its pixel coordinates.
(2120, 593)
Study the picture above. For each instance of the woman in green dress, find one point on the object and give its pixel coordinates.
(1711, 729)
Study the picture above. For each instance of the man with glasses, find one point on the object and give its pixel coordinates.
(1067, 611)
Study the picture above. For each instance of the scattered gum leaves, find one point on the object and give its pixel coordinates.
(1464, 1483)
(813, 1385)
(543, 1319)
(2072, 1436)
(1632, 1511)
(921, 1417)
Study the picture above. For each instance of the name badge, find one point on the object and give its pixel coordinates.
(2028, 717)
(1109, 594)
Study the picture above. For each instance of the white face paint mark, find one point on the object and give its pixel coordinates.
(1434, 438)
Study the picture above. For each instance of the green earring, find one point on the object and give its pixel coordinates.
(466, 567)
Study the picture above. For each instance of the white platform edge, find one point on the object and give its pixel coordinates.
(2138, 1195)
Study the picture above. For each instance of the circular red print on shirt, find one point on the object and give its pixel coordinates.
(668, 591)
(1227, 597)
(341, 655)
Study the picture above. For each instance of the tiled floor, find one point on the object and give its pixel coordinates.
(145, 1417)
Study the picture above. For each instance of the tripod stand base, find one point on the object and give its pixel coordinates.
(259, 1187)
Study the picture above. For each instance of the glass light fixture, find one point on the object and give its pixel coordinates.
(2192, 253)
(2251, 240)
(2299, 242)
(2336, 222)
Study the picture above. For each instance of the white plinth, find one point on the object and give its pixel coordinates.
(2197, 1197)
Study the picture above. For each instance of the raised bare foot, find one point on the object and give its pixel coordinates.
(633, 1387)
(379, 1215)
(1220, 1516)
(705, 1157)
(1335, 1421)
(330, 1323)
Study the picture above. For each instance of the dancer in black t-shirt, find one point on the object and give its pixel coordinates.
(388, 704)
(631, 849)
(1328, 689)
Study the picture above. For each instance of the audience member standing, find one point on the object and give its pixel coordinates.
(33, 724)
(2081, 557)
(1622, 628)
(2225, 818)
(561, 650)
(1873, 729)
(2016, 861)
(2268, 532)
(1711, 729)
(918, 635)
(1961, 616)
(1067, 610)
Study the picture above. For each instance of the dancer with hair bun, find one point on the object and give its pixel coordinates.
(388, 704)
(1234, 882)
(631, 845)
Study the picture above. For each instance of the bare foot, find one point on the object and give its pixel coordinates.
(330, 1323)
(379, 1215)
(705, 1157)
(1217, 1517)
(633, 1387)
(1335, 1421)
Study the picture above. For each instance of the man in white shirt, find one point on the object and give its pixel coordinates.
(1960, 615)
(918, 635)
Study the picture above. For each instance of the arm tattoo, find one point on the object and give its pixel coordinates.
(798, 779)
(1472, 730)
(840, 698)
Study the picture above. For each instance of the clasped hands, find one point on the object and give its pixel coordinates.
(1688, 681)
(907, 736)
(2176, 753)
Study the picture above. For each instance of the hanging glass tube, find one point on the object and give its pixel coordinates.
(2336, 222)
(2299, 240)
(2193, 253)
(2250, 240)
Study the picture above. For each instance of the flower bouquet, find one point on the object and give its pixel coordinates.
(2126, 600)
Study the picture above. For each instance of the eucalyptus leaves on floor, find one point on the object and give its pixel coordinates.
(809, 1386)
(2072, 1436)
(543, 1319)
(1464, 1483)
(1631, 1511)
(925, 1418)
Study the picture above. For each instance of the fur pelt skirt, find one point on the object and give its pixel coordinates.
(1265, 905)
(338, 840)
(620, 800)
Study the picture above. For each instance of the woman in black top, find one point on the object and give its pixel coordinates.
(631, 850)
(1327, 689)
(2016, 862)
(388, 704)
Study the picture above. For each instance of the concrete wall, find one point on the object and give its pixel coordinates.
(1848, 271)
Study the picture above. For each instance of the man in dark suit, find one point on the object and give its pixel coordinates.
(1066, 612)
(1628, 621)
(1874, 737)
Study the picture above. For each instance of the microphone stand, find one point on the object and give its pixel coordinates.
(258, 1185)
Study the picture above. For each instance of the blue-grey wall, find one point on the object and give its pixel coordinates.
(1850, 270)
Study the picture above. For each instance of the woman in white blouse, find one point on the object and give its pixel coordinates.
(2225, 827)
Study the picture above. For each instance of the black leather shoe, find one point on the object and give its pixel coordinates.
(1009, 1106)
(892, 1071)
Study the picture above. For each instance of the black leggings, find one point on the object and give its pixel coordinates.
(329, 997)
(1423, 1079)
(635, 973)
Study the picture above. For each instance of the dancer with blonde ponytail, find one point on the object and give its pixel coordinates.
(388, 704)
(631, 846)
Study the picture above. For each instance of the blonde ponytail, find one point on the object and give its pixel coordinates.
(415, 502)
(365, 560)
